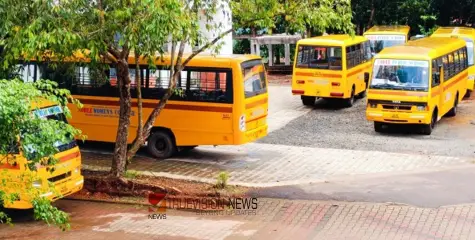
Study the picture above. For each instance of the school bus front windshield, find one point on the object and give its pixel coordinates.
(408, 75)
(379, 42)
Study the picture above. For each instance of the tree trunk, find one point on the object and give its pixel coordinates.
(371, 16)
(139, 140)
(120, 152)
(156, 111)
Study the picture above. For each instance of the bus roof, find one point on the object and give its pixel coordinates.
(332, 40)
(454, 31)
(200, 60)
(425, 48)
(388, 29)
(203, 60)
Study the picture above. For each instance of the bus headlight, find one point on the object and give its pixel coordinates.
(242, 123)
(37, 184)
(471, 77)
(421, 108)
(372, 105)
(77, 170)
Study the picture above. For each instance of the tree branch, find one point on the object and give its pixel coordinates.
(206, 46)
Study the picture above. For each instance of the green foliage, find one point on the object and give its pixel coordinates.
(37, 136)
(131, 174)
(255, 14)
(420, 15)
(44, 211)
(298, 16)
(26, 134)
(222, 180)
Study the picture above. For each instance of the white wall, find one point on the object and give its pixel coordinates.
(223, 16)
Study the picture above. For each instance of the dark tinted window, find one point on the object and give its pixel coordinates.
(319, 57)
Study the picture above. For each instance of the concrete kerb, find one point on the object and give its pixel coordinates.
(210, 181)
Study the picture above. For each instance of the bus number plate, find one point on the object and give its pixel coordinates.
(395, 116)
(321, 82)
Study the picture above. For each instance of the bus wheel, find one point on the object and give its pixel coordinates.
(362, 94)
(427, 128)
(468, 93)
(378, 127)
(453, 111)
(350, 101)
(308, 100)
(161, 145)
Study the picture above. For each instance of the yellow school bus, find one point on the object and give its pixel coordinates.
(221, 100)
(467, 34)
(381, 37)
(66, 178)
(417, 83)
(331, 67)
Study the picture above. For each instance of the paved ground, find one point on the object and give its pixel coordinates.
(327, 126)
(429, 189)
(262, 165)
(274, 219)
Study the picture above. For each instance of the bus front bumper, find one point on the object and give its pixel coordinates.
(63, 189)
(398, 117)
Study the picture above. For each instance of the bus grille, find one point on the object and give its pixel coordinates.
(59, 177)
(397, 107)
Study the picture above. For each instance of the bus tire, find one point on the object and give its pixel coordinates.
(308, 100)
(362, 94)
(427, 128)
(453, 110)
(350, 101)
(468, 94)
(378, 127)
(161, 145)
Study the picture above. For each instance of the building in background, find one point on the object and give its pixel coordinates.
(223, 17)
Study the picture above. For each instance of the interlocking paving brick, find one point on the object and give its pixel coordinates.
(276, 219)
(261, 165)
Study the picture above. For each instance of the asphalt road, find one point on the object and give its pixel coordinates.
(329, 126)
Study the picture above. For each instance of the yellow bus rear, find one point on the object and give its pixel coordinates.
(468, 35)
(417, 83)
(381, 37)
(221, 100)
(64, 180)
(331, 67)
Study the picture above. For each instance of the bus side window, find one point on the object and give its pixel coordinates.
(208, 86)
(28, 72)
(368, 54)
(446, 67)
(457, 67)
(435, 73)
(348, 58)
(463, 58)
